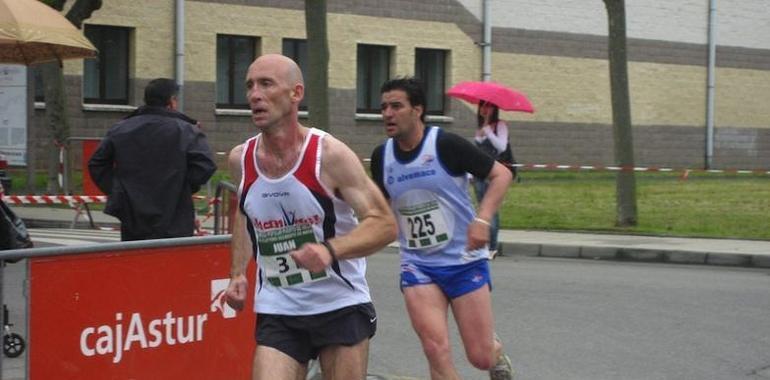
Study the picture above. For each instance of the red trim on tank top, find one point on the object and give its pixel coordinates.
(305, 173)
(249, 168)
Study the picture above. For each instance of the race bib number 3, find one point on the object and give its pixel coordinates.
(274, 247)
(423, 225)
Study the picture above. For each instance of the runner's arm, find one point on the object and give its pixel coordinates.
(239, 245)
(499, 179)
(343, 173)
(460, 157)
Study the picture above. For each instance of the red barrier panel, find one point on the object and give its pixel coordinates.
(89, 187)
(152, 313)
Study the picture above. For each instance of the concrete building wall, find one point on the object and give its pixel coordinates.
(739, 23)
(554, 50)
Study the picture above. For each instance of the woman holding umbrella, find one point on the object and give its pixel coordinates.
(492, 138)
(492, 133)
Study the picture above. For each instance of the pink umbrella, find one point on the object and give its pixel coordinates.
(505, 98)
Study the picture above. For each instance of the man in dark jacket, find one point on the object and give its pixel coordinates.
(150, 164)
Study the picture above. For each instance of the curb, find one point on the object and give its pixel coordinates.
(635, 254)
(43, 223)
(615, 253)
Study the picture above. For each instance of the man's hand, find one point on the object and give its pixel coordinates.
(313, 257)
(235, 296)
(478, 235)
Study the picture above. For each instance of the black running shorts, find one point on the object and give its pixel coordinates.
(302, 337)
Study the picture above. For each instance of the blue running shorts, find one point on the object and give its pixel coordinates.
(454, 280)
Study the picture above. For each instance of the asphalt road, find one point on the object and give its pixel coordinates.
(577, 319)
(580, 319)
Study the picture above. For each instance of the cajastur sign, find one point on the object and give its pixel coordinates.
(155, 313)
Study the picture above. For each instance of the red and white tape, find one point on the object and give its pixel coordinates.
(621, 168)
(76, 200)
(637, 169)
(62, 199)
(53, 199)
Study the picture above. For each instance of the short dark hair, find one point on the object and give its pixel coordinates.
(159, 92)
(412, 87)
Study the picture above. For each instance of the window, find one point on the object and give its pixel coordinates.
(37, 73)
(430, 69)
(373, 70)
(234, 55)
(297, 50)
(105, 78)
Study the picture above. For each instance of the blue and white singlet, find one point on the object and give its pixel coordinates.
(433, 207)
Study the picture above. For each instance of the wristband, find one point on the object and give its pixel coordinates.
(331, 251)
(482, 221)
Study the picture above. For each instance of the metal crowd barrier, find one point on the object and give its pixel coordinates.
(225, 208)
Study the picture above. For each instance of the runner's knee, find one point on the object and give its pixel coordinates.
(481, 357)
(436, 349)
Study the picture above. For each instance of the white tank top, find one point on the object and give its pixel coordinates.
(282, 214)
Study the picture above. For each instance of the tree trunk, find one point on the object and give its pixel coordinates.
(621, 114)
(317, 93)
(55, 95)
(56, 121)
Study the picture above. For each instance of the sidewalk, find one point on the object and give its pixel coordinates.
(750, 253)
(61, 217)
(732, 252)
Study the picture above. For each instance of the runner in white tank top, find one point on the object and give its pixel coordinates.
(311, 294)
(285, 213)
